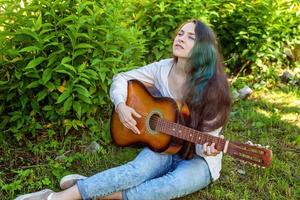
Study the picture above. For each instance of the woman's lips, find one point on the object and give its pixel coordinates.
(179, 46)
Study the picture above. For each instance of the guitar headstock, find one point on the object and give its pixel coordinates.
(250, 153)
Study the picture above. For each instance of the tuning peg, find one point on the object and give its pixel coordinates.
(249, 142)
(257, 145)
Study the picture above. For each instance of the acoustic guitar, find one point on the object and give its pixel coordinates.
(158, 125)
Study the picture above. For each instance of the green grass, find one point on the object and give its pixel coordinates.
(269, 117)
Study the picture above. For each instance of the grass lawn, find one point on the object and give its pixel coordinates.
(269, 117)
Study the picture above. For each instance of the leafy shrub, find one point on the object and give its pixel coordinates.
(57, 62)
(256, 36)
(159, 19)
(58, 57)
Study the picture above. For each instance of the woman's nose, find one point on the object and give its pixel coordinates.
(180, 40)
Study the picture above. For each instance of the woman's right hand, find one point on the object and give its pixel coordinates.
(126, 115)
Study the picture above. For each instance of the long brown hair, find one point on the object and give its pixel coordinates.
(207, 92)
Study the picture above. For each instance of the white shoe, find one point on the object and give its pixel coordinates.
(45, 194)
(70, 180)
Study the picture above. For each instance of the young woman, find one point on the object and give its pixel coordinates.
(195, 76)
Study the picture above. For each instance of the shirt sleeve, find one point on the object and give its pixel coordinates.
(118, 89)
(199, 147)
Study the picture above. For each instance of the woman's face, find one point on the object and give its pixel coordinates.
(184, 41)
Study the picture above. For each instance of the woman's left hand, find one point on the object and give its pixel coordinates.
(210, 150)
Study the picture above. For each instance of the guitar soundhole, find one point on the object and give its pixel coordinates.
(153, 121)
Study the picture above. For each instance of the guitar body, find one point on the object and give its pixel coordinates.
(140, 98)
(158, 126)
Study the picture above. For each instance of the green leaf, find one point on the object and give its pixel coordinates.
(66, 19)
(71, 33)
(30, 49)
(77, 108)
(81, 67)
(104, 86)
(48, 38)
(68, 125)
(50, 86)
(105, 133)
(84, 35)
(35, 105)
(27, 31)
(84, 80)
(68, 104)
(33, 84)
(3, 82)
(46, 181)
(96, 61)
(42, 94)
(91, 73)
(51, 44)
(33, 63)
(24, 100)
(47, 108)
(84, 46)
(70, 67)
(102, 76)
(79, 52)
(80, 89)
(63, 96)
(84, 76)
(18, 74)
(45, 30)
(38, 23)
(77, 123)
(52, 58)
(111, 60)
(3, 122)
(84, 99)
(47, 74)
(65, 60)
(64, 72)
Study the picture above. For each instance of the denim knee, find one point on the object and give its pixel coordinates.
(188, 177)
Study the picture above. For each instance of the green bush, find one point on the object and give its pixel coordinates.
(254, 35)
(58, 57)
(57, 61)
(159, 19)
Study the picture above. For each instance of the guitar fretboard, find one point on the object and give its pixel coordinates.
(188, 134)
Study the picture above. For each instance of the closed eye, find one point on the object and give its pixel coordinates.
(191, 35)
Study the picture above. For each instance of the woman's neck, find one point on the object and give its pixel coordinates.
(179, 67)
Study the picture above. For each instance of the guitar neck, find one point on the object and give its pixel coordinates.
(188, 134)
(160, 114)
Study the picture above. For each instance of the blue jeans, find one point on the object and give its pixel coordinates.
(150, 176)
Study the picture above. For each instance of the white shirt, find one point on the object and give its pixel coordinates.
(157, 74)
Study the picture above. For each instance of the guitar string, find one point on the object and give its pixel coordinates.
(154, 118)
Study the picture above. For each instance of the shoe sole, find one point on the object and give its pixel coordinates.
(70, 180)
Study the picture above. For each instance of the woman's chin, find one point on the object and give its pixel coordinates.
(178, 54)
